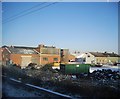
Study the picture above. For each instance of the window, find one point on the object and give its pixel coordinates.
(88, 55)
(96, 60)
(45, 59)
(55, 59)
(84, 59)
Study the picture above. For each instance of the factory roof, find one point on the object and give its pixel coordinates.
(21, 50)
(105, 54)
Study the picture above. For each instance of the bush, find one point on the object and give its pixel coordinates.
(47, 67)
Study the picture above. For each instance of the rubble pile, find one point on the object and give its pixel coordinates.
(47, 75)
(105, 74)
(55, 80)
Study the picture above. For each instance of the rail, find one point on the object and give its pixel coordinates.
(40, 88)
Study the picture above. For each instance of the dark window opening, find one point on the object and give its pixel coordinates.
(55, 59)
(45, 59)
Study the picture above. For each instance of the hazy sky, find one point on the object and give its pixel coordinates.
(76, 26)
(0, 23)
(61, 0)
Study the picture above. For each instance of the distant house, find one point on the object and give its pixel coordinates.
(106, 58)
(86, 58)
(40, 55)
(98, 58)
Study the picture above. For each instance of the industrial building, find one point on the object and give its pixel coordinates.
(21, 56)
(41, 55)
(0, 56)
(98, 58)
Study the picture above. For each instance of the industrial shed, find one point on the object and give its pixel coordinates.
(21, 56)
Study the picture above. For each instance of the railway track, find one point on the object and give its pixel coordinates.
(49, 93)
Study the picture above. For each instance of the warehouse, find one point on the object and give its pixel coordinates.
(21, 56)
(40, 55)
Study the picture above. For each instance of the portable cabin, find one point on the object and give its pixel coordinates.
(74, 68)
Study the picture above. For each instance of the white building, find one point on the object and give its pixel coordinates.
(86, 58)
(98, 58)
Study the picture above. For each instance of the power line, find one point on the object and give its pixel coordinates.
(24, 11)
(31, 12)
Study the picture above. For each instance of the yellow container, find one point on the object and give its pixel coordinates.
(56, 64)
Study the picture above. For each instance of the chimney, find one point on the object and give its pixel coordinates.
(12, 46)
(105, 52)
(41, 46)
(113, 53)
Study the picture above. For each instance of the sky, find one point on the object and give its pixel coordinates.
(0, 23)
(77, 26)
(61, 0)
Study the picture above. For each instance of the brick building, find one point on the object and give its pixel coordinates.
(48, 54)
(0, 56)
(64, 55)
(19, 55)
(40, 55)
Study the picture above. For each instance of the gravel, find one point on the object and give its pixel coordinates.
(12, 90)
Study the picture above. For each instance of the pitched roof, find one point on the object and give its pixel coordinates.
(22, 50)
(99, 54)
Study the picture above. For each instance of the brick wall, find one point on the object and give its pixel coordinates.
(0, 54)
(48, 58)
(5, 56)
(17, 59)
